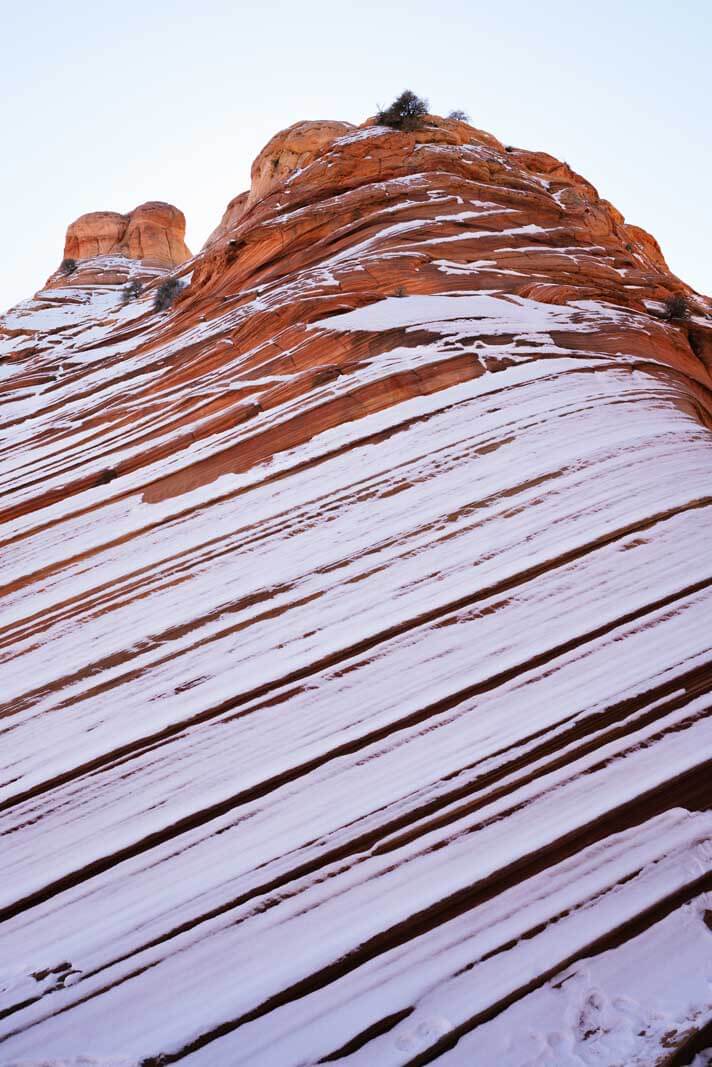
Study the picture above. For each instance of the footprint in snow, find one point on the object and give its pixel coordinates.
(425, 1034)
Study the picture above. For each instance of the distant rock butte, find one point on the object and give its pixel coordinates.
(153, 233)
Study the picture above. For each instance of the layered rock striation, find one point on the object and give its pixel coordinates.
(354, 639)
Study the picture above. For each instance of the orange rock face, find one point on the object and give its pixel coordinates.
(231, 216)
(153, 232)
(354, 648)
(96, 234)
(290, 150)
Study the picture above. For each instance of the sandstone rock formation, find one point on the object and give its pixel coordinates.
(354, 634)
(231, 216)
(153, 232)
(95, 234)
(286, 153)
(289, 151)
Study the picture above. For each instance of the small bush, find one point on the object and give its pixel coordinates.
(460, 116)
(400, 291)
(166, 294)
(405, 113)
(68, 266)
(132, 291)
(676, 309)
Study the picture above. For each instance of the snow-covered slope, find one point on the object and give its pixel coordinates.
(355, 641)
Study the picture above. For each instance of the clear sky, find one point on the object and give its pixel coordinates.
(108, 104)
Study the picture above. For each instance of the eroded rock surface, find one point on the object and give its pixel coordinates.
(355, 646)
(289, 151)
(153, 232)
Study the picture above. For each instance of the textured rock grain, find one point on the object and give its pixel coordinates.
(354, 640)
(153, 232)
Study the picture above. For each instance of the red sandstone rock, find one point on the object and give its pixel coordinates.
(95, 234)
(231, 216)
(153, 232)
(289, 151)
(356, 625)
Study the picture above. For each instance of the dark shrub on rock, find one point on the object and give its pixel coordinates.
(676, 309)
(166, 294)
(132, 291)
(405, 113)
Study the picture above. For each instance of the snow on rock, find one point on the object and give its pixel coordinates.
(453, 313)
(355, 653)
(630, 1005)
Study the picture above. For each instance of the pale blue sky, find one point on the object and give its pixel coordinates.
(108, 104)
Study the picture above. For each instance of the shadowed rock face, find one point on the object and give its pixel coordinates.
(153, 232)
(354, 633)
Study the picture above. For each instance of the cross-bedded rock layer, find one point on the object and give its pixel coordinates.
(355, 638)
